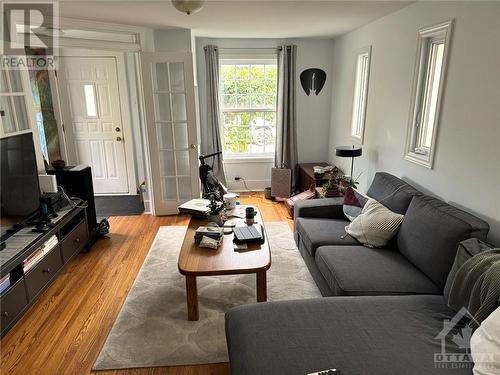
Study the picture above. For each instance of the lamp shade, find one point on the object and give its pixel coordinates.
(348, 151)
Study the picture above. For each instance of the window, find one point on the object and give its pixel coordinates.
(360, 94)
(13, 109)
(430, 68)
(90, 102)
(248, 101)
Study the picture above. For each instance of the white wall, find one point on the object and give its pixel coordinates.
(172, 40)
(466, 169)
(313, 112)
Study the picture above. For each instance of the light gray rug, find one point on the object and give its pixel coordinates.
(152, 327)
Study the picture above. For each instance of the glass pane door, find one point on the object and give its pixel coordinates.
(171, 124)
(13, 110)
(171, 130)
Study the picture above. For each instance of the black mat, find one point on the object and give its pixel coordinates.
(118, 205)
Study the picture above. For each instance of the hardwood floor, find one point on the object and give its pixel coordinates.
(64, 331)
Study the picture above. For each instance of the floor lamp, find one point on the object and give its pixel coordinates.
(349, 152)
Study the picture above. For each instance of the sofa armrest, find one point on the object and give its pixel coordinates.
(327, 208)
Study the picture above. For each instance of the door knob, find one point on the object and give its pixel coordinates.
(117, 129)
(193, 146)
(119, 139)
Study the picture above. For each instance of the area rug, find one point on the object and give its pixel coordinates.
(152, 327)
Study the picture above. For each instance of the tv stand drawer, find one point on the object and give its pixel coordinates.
(12, 303)
(42, 273)
(74, 242)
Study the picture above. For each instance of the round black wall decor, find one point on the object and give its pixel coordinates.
(313, 80)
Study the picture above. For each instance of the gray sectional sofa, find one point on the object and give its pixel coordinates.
(417, 260)
(388, 304)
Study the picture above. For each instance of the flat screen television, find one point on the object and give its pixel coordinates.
(19, 187)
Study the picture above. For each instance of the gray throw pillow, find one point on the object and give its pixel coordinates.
(466, 250)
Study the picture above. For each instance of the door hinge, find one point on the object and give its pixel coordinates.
(63, 129)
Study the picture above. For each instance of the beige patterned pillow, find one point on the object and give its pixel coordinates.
(376, 225)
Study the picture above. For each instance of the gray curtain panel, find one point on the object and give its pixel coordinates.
(286, 125)
(212, 140)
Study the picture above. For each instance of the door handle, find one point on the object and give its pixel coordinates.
(117, 129)
(119, 139)
(193, 146)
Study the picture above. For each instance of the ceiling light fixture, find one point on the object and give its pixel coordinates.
(188, 6)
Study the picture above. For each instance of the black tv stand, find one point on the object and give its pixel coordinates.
(27, 283)
(43, 227)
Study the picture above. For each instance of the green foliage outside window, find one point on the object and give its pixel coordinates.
(246, 89)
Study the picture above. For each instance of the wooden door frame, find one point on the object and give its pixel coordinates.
(124, 109)
(147, 86)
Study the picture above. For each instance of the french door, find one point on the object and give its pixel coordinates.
(17, 112)
(172, 136)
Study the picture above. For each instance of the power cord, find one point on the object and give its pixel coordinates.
(74, 202)
(246, 186)
(253, 192)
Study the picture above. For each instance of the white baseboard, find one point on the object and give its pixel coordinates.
(251, 185)
(147, 207)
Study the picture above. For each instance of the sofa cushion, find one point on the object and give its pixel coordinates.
(431, 232)
(376, 225)
(381, 335)
(392, 192)
(319, 232)
(358, 270)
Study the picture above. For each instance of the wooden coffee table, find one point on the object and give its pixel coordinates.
(195, 261)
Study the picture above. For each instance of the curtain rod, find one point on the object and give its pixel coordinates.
(256, 48)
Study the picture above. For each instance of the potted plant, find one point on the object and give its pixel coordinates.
(332, 189)
(345, 182)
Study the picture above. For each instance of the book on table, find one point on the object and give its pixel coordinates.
(196, 207)
(215, 233)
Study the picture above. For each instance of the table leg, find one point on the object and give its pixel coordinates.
(261, 286)
(192, 297)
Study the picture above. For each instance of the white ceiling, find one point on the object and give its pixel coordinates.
(240, 18)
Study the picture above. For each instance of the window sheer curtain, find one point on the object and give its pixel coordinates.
(211, 141)
(286, 126)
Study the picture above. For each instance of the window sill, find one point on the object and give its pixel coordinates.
(248, 159)
(423, 160)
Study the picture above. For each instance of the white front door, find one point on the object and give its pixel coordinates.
(90, 105)
(172, 137)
